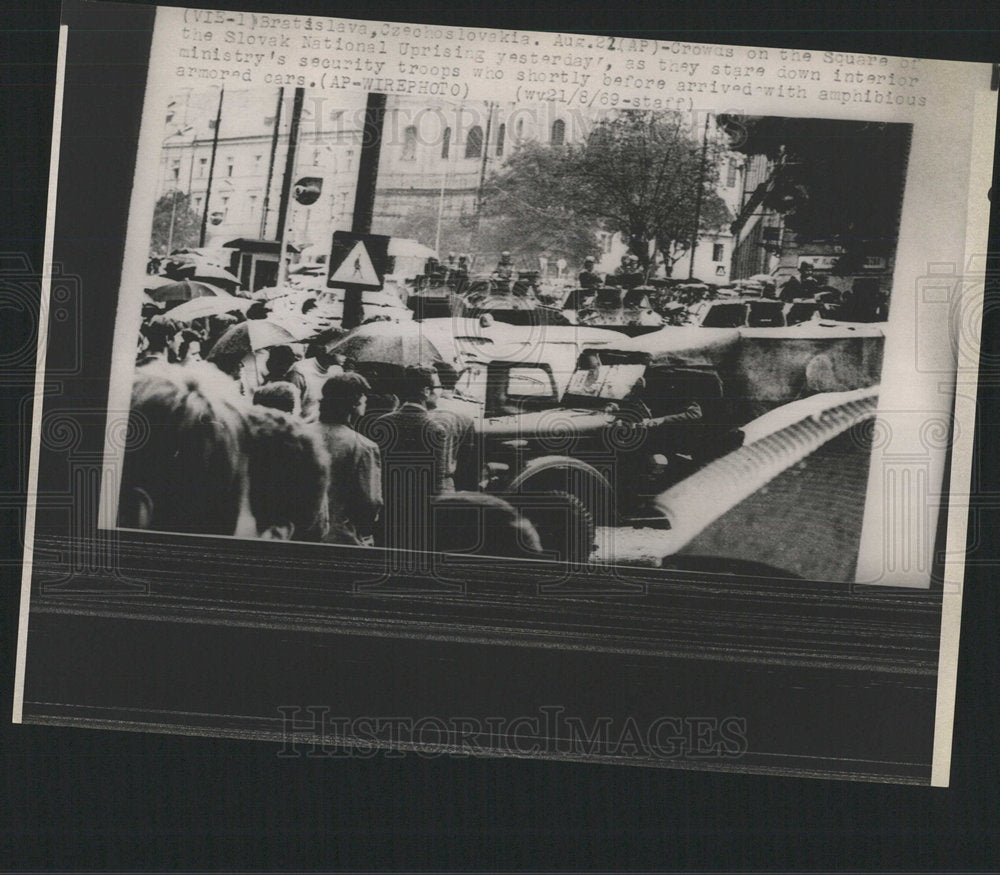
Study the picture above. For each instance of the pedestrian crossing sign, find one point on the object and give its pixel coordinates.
(358, 261)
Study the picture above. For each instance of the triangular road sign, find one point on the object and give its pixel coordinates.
(356, 269)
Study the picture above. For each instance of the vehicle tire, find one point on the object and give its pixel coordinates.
(564, 525)
(572, 476)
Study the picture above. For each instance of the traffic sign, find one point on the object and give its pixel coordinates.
(358, 261)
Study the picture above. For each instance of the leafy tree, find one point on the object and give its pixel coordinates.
(643, 174)
(835, 182)
(174, 207)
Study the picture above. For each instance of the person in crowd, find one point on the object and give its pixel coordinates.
(308, 305)
(184, 468)
(465, 457)
(280, 360)
(159, 333)
(804, 286)
(185, 346)
(311, 373)
(258, 310)
(355, 493)
(416, 459)
(481, 524)
(279, 396)
(589, 278)
(289, 472)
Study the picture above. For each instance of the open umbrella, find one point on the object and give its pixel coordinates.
(247, 337)
(394, 343)
(183, 290)
(199, 308)
(207, 271)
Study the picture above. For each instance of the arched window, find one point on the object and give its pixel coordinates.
(558, 132)
(501, 136)
(446, 143)
(410, 143)
(520, 129)
(474, 142)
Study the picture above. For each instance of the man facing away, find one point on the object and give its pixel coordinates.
(355, 494)
(416, 454)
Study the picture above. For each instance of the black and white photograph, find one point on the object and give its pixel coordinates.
(574, 322)
(480, 392)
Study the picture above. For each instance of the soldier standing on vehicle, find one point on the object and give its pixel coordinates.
(505, 267)
(805, 286)
(589, 278)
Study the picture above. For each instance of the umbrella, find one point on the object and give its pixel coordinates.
(247, 337)
(154, 282)
(183, 290)
(146, 299)
(395, 343)
(208, 271)
(199, 308)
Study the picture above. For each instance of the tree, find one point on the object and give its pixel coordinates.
(174, 209)
(640, 173)
(835, 182)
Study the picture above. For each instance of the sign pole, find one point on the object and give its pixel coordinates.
(211, 167)
(286, 183)
(364, 196)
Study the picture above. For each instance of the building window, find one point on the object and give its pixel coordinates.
(718, 252)
(256, 161)
(731, 174)
(268, 121)
(229, 167)
(175, 169)
(252, 201)
(410, 143)
(501, 136)
(225, 205)
(202, 164)
(197, 204)
(558, 132)
(316, 157)
(474, 142)
(520, 129)
(446, 143)
(350, 159)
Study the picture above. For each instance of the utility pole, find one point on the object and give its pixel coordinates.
(286, 182)
(364, 195)
(698, 197)
(270, 164)
(211, 167)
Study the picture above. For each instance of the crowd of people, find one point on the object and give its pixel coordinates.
(306, 450)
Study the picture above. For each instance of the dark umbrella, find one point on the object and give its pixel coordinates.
(247, 337)
(184, 290)
(392, 343)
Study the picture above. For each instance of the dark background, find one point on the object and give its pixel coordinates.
(105, 800)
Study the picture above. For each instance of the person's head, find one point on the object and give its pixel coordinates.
(186, 345)
(420, 385)
(588, 262)
(289, 474)
(344, 400)
(307, 305)
(159, 333)
(279, 360)
(805, 269)
(447, 375)
(279, 395)
(258, 310)
(183, 468)
(477, 523)
(322, 345)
